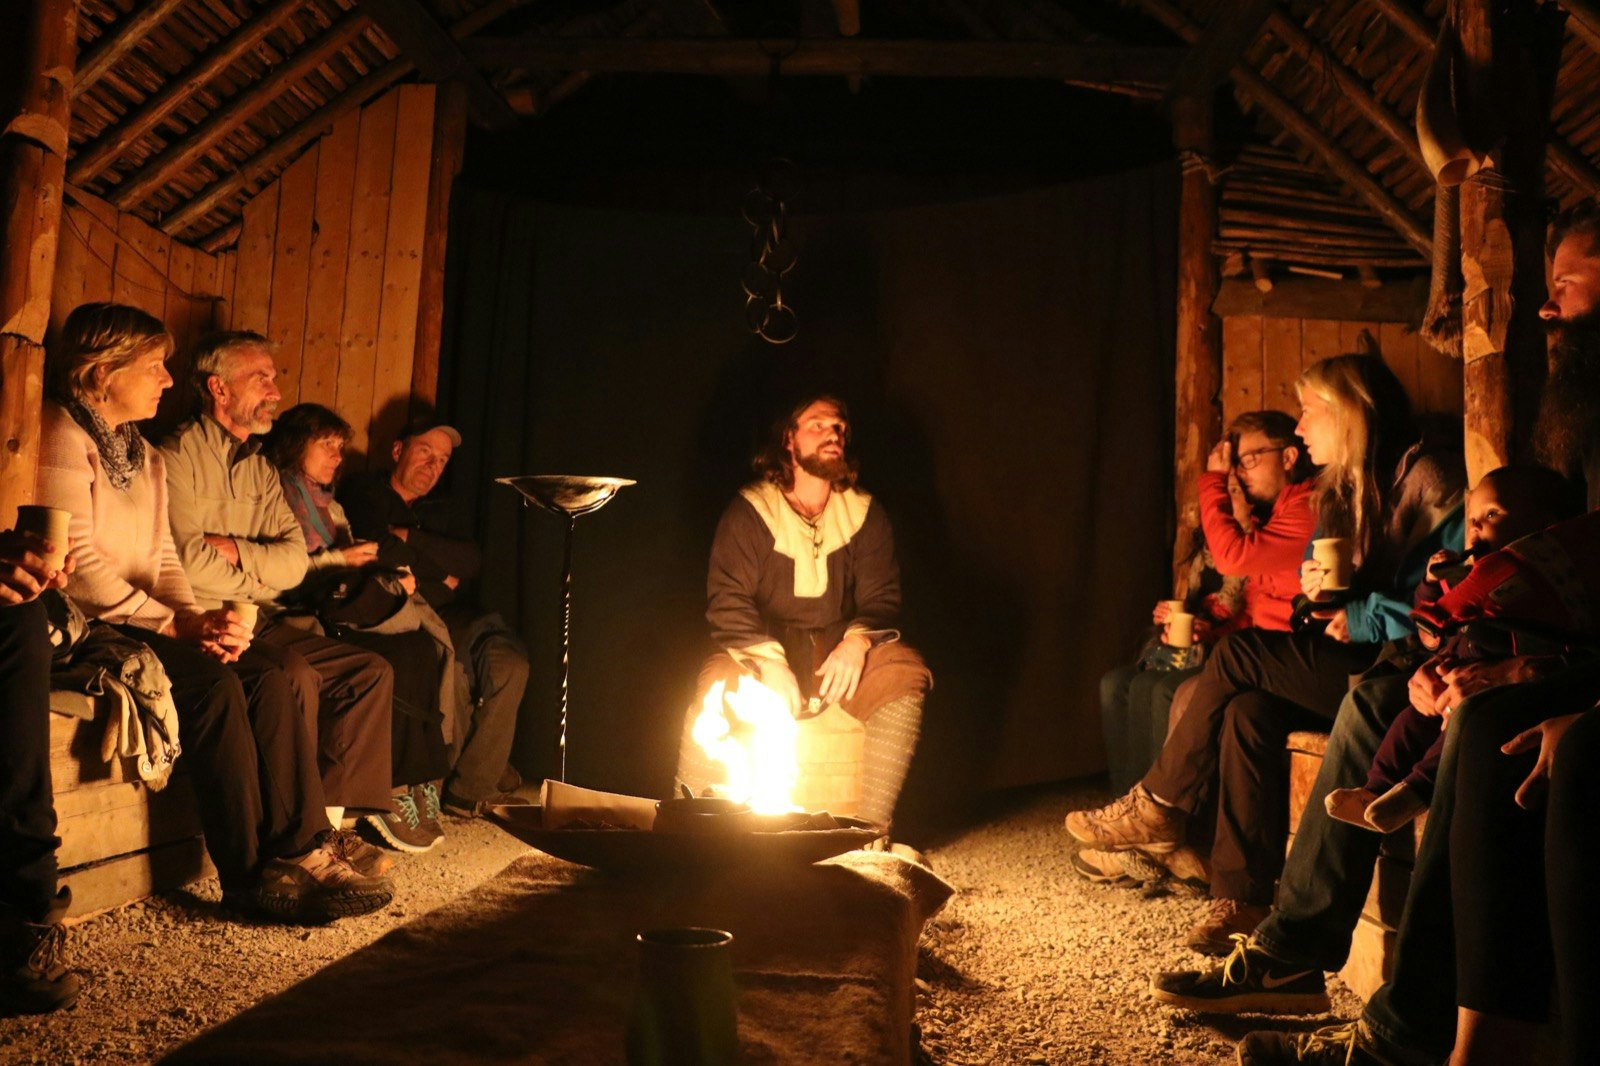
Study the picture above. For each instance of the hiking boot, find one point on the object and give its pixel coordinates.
(1349, 805)
(1136, 820)
(1247, 980)
(1213, 934)
(465, 808)
(1333, 1045)
(319, 887)
(367, 860)
(33, 979)
(1132, 867)
(401, 827)
(510, 779)
(426, 797)
(1395, 809)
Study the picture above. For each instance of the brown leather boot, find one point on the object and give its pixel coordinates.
(1213, 933)
(1136, 820)
(33, 979)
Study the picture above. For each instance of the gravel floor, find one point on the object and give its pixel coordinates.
(1028, 964)
(1031, 964)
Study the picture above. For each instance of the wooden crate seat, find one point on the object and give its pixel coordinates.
(119, 840)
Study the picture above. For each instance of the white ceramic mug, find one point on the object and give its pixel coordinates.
(50, 523)
(1333, 554)
(1180, 629)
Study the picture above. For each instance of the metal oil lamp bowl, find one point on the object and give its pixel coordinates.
(569, 496)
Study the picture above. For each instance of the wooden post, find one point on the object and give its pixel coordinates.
(1504, 49)
(449, 150)
(36, 62)
(1198, 415)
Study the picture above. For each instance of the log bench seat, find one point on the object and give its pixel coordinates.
(119, 840)
(1372, 947)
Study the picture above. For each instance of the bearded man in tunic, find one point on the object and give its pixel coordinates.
(803, 593)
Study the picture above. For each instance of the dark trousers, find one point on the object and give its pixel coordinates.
(1572, 869)
(417, 751)
(497, 666)
(1256, 688)
(1134, 708)
(27, 812)
(1329, 869)
(347, 696)
(250, 756)
(1410, 753)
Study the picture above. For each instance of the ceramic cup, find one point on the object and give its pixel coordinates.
(1180, 629)
(1333, 555)
(49, 523)
(246, 610)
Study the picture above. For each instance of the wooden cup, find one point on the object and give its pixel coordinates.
(1333, 554)
(50, 523)
(1180, 629)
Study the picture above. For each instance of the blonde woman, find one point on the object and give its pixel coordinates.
(1398, 499)
(247, 746)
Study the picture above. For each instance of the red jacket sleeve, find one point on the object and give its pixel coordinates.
(1278, 544)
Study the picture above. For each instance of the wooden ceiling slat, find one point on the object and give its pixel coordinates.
(113, 142)
(114, 46)
(237, 112)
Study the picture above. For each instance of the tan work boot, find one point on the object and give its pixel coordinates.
(319, 887)
(1213, 934)
(1134, 821)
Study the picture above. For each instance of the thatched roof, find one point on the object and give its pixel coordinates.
(185, 108)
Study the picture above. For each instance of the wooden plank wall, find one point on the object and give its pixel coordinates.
(329, 265)
(1262, 357)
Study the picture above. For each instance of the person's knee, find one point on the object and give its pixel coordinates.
(1253, 720)
(1115, 683)
(302, 679)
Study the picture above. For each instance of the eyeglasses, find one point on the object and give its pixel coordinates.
(1251, 460)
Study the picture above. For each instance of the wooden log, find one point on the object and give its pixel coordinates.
(36, 69)
(123, 38)
(449, 152)
(1198, 374)
(1502, 231)
(1322, 299)
(1222, 44)
(226, 237)
(1095, 64)
(1260, 275)
(137, 188)
(1306, 131)
(438, 56)
(289, 144)
(1585, 21)
(93, 160)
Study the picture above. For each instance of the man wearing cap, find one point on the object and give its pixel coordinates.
(239, 541)
(414, 531)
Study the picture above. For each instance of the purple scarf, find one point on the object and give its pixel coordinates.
(312, 507)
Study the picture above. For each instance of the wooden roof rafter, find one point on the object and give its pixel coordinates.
(112, 47)
(438, 56)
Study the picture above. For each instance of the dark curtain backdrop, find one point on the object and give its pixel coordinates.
(1008, 364)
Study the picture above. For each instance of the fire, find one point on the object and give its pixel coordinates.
(749, 730)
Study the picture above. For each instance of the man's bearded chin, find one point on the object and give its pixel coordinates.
(259, 418)
(826, 469)
(1569, 410)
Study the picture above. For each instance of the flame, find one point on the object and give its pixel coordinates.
(749, 730)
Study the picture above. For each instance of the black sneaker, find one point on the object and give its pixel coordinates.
(1334, 1045)
(402, 827)
(33, 979)
(1248, 980)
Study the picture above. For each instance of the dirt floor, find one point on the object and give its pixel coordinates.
(1027, 964)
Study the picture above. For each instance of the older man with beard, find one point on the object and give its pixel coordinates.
(804, 594)
(1568, 431)
(239, 541)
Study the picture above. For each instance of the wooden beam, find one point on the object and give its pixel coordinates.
(121, 39)
(1569, 162)
(137, 188)
(438, 56)
(449, 151)
(1585, 24)
(314, 125)
(93, 160)
(1315, 298)
(1198, 372)
(924, 59)
(38, 53)
(1222, 44)
(1308, 132)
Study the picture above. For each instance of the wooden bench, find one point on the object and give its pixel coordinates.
(119, 840)
(1372, 947)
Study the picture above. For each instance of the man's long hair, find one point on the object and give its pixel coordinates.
(773, 462)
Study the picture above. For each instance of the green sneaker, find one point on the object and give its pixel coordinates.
(1248, 980)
